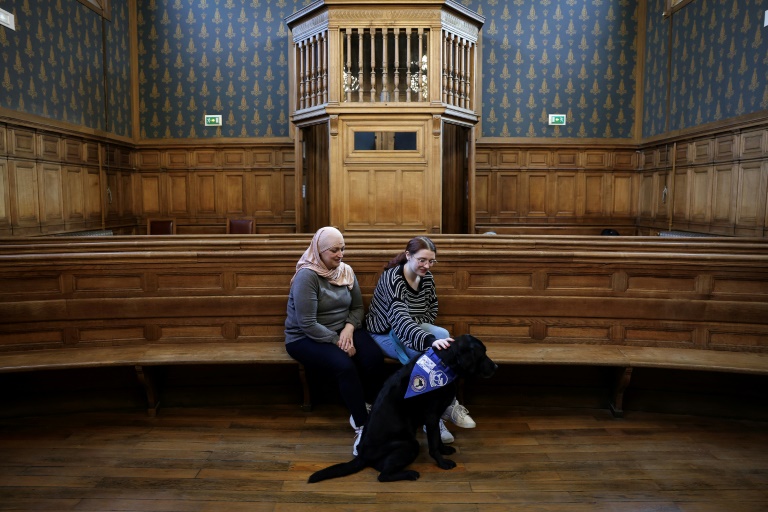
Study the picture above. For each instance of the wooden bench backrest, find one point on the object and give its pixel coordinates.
(690, 293)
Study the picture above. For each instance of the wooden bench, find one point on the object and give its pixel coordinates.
(623, 303)
(144, 358)
(623, 359)
(626, 359)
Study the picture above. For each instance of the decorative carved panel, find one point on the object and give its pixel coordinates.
(723, 193)
(73, 150)
(179, 191)
(235, 194)
(205, 189)
(51, 194)
(50, 147)
(74, 193)
(149, 189)
(22, 143)
(701, 194)
(24, 197)
(594, 188)
(5, 206)
(751, 195)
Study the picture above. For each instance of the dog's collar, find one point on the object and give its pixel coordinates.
(429, 373)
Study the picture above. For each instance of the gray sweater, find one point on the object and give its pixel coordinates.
(319, 310)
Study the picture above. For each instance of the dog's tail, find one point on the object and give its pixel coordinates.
(337, 470)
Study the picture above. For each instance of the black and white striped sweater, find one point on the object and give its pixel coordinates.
(396, 306)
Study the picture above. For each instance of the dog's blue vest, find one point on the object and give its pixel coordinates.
(429, 373)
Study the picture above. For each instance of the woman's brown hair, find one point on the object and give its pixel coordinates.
(415, 245)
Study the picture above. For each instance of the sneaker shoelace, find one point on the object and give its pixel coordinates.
(459, 411)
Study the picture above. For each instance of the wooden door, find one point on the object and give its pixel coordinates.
(456, 215)
(314, 181)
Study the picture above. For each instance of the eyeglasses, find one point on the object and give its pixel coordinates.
(424, 261)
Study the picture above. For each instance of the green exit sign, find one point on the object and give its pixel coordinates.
(212, 120)
(557, 119)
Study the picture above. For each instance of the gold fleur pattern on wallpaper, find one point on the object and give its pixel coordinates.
(53, 64)
(572, 57)
(222, 57)
(719, 64)
(706, 63)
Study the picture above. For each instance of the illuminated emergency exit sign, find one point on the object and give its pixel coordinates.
(212, 120)
(557, 119)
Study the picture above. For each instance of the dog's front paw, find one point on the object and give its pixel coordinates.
(447, 450)
(446, 464)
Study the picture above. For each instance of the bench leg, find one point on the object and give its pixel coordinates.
(149, 388)
(307, 405)
(617, 402)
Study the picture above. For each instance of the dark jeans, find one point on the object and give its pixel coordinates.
(359, 378)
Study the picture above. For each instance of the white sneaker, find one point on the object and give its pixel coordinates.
(445, 434)
(352, 420)
(458, 415)
(358, 435)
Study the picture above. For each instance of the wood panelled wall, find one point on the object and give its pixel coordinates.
(53, 182)
(200, 186)
(712, 183)
(538, 190)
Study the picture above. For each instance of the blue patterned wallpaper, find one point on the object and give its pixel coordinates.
(655, 82)
(53, 66)
(573, 57)
(119, 70)
(576, 57)
(719, 64)
(227, 57)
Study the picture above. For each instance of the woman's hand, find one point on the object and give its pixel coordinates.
(345, 340)
(442, 343)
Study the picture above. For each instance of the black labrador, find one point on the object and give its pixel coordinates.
(389, 440)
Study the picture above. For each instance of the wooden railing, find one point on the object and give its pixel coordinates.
(366, 54)
(385, 65)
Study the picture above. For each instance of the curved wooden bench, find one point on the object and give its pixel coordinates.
(692, 304)
(624, 359)
(143, 358)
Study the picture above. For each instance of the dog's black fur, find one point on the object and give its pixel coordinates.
(389, 443)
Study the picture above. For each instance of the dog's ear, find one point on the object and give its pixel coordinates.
(450, 355)
(463, 355)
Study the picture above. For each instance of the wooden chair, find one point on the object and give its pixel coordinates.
(165, 226)
(241, 226)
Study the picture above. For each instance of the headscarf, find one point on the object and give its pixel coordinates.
(326, 238)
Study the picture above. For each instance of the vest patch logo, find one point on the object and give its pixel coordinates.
(438, 379)
(418, 384)
(428, 373)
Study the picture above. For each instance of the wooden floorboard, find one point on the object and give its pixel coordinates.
(258, 459)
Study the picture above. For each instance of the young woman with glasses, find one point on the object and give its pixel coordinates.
(403, 311)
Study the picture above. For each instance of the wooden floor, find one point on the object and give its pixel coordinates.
(258, 459)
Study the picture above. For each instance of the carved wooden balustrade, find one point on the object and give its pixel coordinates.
(393, 54)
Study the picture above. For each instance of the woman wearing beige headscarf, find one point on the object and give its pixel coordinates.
(323, 328)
